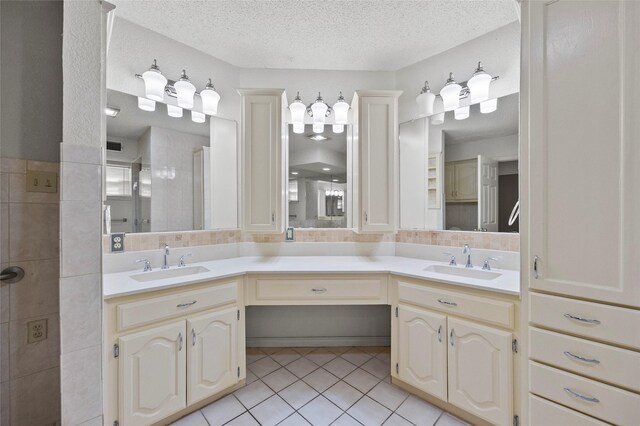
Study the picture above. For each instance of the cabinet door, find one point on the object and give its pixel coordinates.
(466, 179)
(263, 169)
(422, 350)
(584, 179)
(488, 195)
(481, 370)
(152, 374)
(450, 181)
(212, 354)
(378, 139)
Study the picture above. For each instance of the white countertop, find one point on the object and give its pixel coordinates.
(121, 284)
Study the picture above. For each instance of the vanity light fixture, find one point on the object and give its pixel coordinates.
(198, 117)
(297, 109)
(185, 90)
(437, 119)
(111, 111)
(341, 110)
(489, 106)
(146, 104)
(451, 94)
(210, 99)
(174, 111)
(338, 128)
(319, 111)
(154, 83)
(479, 85)
(461, 113)
(425, 100)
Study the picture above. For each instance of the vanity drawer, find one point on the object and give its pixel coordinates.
(546, 413)
(147, 311)
(482, 309)
(617, 366)
(317, 290)
(602, 401)
(591, 320)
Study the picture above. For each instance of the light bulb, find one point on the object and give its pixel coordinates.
(185, 91)
(198, 117)
(451, 94)
(425, 100)
(338, 128)
(210, 99)
(489, 106)
(174, 111)
(297, 109)
(154, 83)
(341, 110)
(146, 104)
(479, 85)
(461, 113)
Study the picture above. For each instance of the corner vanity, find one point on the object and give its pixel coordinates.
(175, 342)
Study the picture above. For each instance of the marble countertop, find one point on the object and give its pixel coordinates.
(122, 284)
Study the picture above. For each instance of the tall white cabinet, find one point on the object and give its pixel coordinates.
(263, 174)
(580, 195)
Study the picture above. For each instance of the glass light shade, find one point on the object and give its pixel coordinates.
(198, 117)
(297, 113)
(318, 127)
(319, 111)
(437, 119)
(341, 111)
(146, 104)
(461, 113)
(154, 83)
(425, 103)
(479, 87)
(185, 91)
(210, 99)
(338, 128)
(489, 106)
(174, 111)
(451, 94)
(298, 128)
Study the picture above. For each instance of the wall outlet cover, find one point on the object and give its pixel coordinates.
(38, 181)
(289, 234)
(36, 330)
(117, 242)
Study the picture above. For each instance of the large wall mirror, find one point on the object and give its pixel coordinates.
(158, 173)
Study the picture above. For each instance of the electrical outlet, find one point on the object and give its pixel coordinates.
(289, 234)
(117, 242)
(38, 181)
(37, 330)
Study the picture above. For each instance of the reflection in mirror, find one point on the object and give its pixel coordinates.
(318, 187)
(480, 182)
(156, 168)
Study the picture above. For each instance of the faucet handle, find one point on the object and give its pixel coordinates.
(486, 266)
(466, 249)
(452, 261)
(181, 261)
(147, 264)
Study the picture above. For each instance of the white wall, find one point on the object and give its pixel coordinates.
(413, 174)
(498, 50)
(504, 148)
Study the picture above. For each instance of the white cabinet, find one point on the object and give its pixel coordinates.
(376, 178)
(422, 350)
(212, 354)
(480, 362)
(263, 166)
(461, 181)
(152, 380)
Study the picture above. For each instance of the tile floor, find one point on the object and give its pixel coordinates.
(319, 386)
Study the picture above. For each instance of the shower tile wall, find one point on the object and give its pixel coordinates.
(29, 238)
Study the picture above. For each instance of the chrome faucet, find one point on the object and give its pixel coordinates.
(181, 261)
(147, 264)
(467, 251)
(165, 265)
(485, 265)
(452, 260)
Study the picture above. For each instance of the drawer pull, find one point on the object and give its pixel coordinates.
(451, 337)
(581, 358)
(580, 396)
(180, 342)
(446, 302)
(193, 337)
(319, 290)
(440, 334)
(585, 320)
(184, 305)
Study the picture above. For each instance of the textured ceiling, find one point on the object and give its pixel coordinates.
(376, 35)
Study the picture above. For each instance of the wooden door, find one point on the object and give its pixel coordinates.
(487, 194)
(152, 374)
(480, 370)
(422, 350)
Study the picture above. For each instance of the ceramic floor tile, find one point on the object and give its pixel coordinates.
(362, 380)
(320, 412)
(338, 350)
(285, 356)
(193, 419)
(304, 350)
(270, 351)
(263, 366)
(254, 354)
(388, 395)
(298, 394)
(294, 420)
(271, 411)
(396, 420)
(321, 356)
(419, 412)
(301, 367)
(321, 380)
(253, 394)
(250, 378)
(377, 367)
(369, 412)
(384, 357)
(449, 420)
(279, 379)
(346, 420)
(223, 410)
(339, 367)
(343, 395)
(244, 420)
(354, 356)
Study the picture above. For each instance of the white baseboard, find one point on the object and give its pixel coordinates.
(298, 342)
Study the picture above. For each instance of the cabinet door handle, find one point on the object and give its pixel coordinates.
(440, 334)
(585, 320)
(446, 302)
(580, 396)
(180, 341)
(273, 218)
(366, 218)
(184, 305)
(319, 290)
(535, 267)
(451, 337)
(193, 337)
(581, 358)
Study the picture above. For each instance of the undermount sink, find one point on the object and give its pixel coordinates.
(169, 273)
(461, 271)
